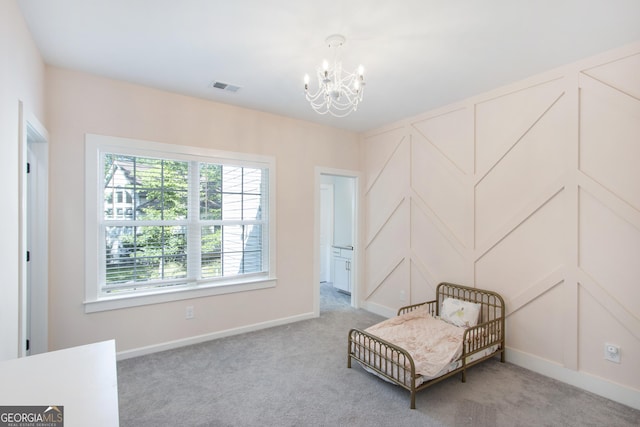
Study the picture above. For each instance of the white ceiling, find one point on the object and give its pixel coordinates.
(418, 54)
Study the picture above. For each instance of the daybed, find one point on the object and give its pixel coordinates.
(434, 340)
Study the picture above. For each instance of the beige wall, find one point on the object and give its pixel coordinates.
(79, 103)
(21, 79)
(532, 190)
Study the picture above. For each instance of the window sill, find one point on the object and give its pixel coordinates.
(158, 297)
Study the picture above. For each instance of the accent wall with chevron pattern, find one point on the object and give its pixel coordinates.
(531, 190)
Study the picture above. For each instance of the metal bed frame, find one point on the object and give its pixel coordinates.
(396, 364)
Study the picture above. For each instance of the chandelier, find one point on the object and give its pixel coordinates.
(339, 92)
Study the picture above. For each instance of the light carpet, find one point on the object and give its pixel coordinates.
(296, 375)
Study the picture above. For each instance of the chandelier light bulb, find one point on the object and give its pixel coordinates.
(339, 92)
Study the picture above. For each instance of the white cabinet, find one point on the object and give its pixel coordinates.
(342, 273)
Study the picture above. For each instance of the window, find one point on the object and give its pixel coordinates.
(170, 222)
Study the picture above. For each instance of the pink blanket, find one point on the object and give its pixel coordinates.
(432, 343)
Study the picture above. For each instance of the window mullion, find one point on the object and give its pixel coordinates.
(194, 229)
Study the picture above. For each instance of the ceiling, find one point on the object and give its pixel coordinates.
(418, 54)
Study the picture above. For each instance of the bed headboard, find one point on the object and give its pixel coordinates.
(491, 302)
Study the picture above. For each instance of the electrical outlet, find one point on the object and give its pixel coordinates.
(189, 312)
(612, 353)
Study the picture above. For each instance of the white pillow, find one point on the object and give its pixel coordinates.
(460, 313)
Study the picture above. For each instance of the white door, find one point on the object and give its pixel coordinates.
(37, 294)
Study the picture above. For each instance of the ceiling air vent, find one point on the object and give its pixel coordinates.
(224, 86)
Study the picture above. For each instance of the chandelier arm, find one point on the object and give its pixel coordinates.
(334, 107)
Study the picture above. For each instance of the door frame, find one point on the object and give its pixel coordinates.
(357, 220)
(33, 205)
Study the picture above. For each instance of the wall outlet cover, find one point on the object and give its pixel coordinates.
(612, 353)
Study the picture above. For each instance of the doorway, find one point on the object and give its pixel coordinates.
(326, 231)
(337, 234)
(34, 299)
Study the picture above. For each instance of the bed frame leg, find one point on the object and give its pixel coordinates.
(464, 375)
(413, 399)
(502, 356)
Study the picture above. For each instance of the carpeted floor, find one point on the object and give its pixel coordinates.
(296, 375)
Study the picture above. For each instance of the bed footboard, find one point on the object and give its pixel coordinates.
(384, 359)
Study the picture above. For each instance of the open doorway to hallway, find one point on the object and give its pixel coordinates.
(337, 241)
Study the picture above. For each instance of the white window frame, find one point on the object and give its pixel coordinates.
(95, 299)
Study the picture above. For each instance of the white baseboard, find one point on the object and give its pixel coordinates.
(141, 351)
(378, 309)
(616, 392)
